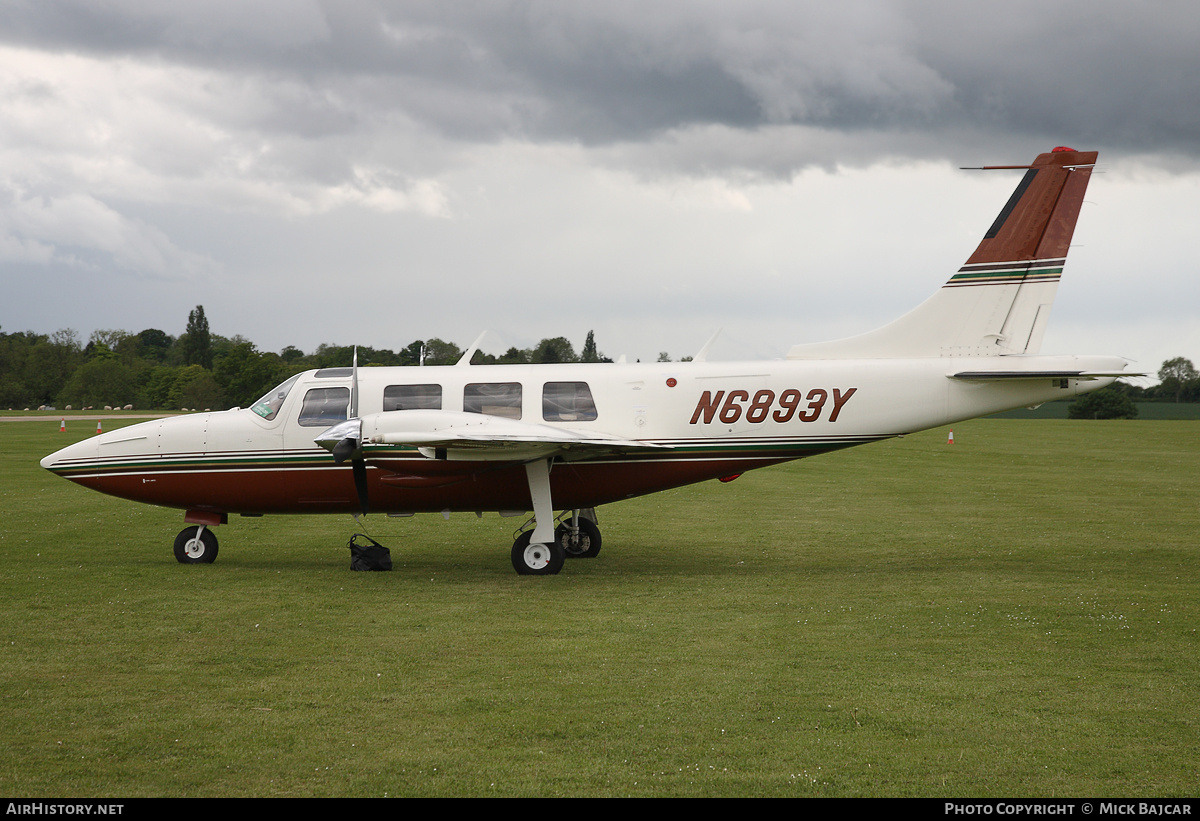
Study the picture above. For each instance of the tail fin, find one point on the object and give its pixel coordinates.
(999, 301)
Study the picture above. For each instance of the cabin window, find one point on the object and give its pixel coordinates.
(324, 407)
(567, 402)
(272, 400)
(412, 397)
(494, 398)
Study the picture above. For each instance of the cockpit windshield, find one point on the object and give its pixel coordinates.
(272, 401)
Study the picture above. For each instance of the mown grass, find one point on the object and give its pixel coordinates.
(1015, 614)
(1146, 410)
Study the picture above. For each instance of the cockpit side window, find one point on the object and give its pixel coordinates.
(324, 407)
(494, 398)
(412, 397)
(567, 402)
(272, 401)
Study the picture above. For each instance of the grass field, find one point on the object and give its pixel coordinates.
(1013, 615)
(1146, 410)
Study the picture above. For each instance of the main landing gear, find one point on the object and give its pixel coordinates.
(579, 537)
(541, 551)
(575, 538)
(196, 545)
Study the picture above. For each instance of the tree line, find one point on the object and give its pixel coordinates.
(198, 369)
(1178, 381)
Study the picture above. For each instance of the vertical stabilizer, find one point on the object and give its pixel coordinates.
(999, 301)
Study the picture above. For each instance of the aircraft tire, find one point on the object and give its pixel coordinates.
(588, 544)
(190, 550)
(534, 559)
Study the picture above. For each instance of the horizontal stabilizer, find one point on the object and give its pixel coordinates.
(993, 376)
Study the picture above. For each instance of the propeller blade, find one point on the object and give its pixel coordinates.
(349, 447)
(354, 386)
(359, 468)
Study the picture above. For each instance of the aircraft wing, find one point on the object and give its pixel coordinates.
(483, 437)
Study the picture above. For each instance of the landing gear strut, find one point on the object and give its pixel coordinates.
(196, 545)
(536, 552)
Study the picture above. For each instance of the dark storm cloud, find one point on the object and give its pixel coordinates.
(1120, 74)
(1126, 76)
(208, 150)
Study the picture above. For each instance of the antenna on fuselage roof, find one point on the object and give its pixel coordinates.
(702, 354)
(465, 359)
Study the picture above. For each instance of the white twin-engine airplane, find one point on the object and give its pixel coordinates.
(512, 438)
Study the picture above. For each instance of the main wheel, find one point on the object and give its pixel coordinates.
(193, 549)
(584, 545)
(536, 559)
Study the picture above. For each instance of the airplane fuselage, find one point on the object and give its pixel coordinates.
(710, 419)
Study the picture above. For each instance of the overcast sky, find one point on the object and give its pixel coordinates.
(371, 173)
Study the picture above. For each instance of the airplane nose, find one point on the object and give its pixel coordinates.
(87, 449)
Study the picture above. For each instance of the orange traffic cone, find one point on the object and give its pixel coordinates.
(62, 426)
(950, 441)
(98, 428)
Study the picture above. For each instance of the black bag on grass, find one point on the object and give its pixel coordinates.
(373, 556)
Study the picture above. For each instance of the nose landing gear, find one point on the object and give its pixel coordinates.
(196, 545)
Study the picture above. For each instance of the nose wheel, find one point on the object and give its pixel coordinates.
(196, 545)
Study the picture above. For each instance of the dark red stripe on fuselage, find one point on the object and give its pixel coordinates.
(439, 485)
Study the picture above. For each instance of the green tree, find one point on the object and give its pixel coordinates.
(378, 356)
(514, 356)
(1177, 377)
(549, 351)
(110, 339)
(194, 387)
(411, 354)
(244, 374)
(154, 344)
(1106, 403)
(438, 352)
(156, 388)
(14, 350)
(102, 380)
(590, 354)
(332, 356)
(197, 341)
(50, 364)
